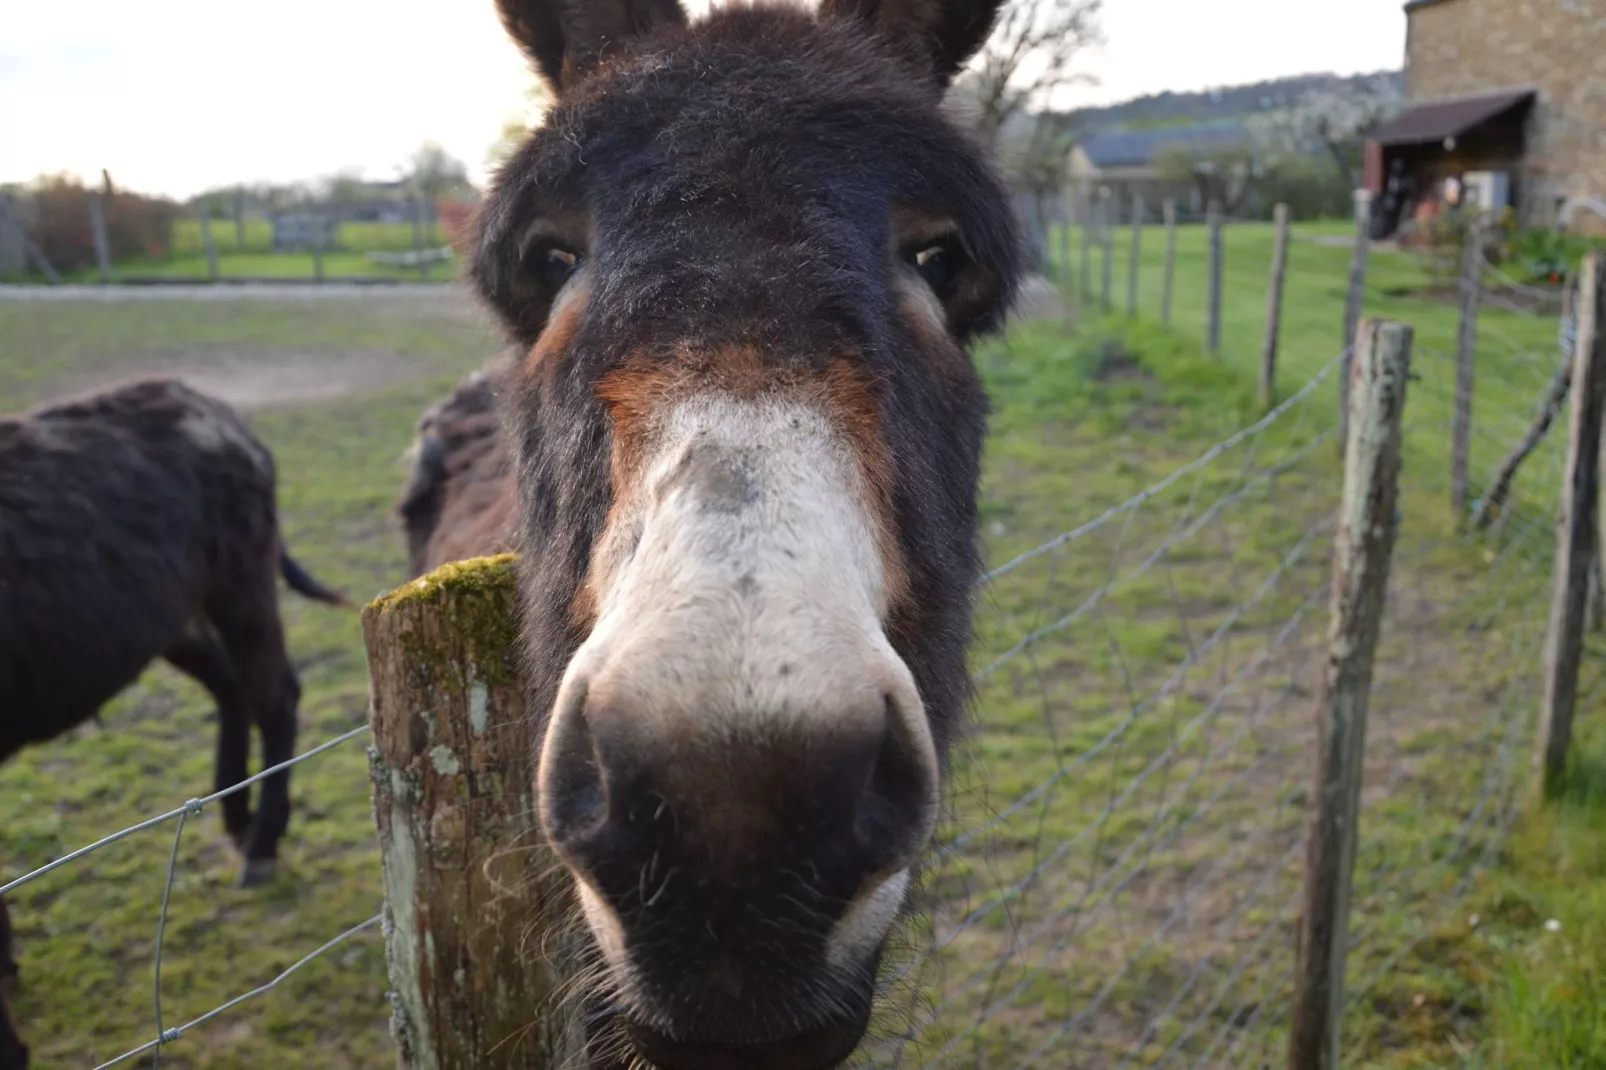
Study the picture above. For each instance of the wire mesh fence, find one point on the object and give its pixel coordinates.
(1118, 880)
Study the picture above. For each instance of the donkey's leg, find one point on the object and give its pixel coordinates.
(198, 654)
(254, 638)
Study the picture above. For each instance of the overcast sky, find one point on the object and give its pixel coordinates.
(174, 96)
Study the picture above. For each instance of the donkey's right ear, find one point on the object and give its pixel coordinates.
(943, 34)
(565, 39)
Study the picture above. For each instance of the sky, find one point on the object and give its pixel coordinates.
(175, 96)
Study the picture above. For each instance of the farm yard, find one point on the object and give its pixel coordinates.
(1117, 886)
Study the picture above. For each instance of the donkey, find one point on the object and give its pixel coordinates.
(139, 523)
(459, 500)
(741, 261)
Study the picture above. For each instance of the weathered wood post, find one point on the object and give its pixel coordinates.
(239, 220)
(317, 248)
(204, 211)
(1087, 246)
(1138, 209)
(1363, 548)
(1167, 284)
(418, 237)
(1577, 537)
(1466, 368)
(1107, 223)
(1354, 304)
(97, 223)
(1067, 219)
(1274, 311)
(1213, 330)
(471, 890)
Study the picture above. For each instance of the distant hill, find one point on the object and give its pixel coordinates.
(1222, 104)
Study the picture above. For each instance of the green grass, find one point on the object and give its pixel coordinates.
(1161, 781)
(256, 258)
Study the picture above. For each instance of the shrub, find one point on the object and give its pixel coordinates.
(58, 218)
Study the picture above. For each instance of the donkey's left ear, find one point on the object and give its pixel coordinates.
(565, 39)
(943, 33)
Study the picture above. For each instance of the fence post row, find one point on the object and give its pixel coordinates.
(1170, 261)
(1577, 537)
(1465, 367)
(1354, 305)
(1138, 209)
(471, 889)
(1274, 312)
(1367, 525)
(1107, 221)
(1213, 330)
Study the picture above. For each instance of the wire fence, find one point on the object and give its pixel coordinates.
(1118, 881)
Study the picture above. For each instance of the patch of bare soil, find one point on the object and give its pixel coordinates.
(261, 377)
(1532, 300)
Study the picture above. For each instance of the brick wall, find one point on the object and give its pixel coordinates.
(1458, 47)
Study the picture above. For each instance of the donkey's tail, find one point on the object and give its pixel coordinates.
(301, 582)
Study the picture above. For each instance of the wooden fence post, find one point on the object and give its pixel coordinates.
(317, 251)
(1107, 223)
(1577, 539)
(1466, 368)
(204, 211)
(470, 886)
(1086, 213)
(239, 220)
(1213, 331)
(1274, 311)
(1364, 546)
(1166, 286)
(418, 237)
(1138, 209)
(97, 223)
(1354, 304)
(1067, 218)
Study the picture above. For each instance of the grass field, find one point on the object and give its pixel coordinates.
(1143, 766)
(255, 258)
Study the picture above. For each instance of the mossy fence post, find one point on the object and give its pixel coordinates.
(1363, 551)
(472, 894)
(1274, 311)
(1354, 305)
(1577, 535)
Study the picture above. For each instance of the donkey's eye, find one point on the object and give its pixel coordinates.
(551, 264)
(939, 263)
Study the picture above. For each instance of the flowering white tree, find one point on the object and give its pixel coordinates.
(1330, 121)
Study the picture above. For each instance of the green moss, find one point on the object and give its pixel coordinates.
(480, 599)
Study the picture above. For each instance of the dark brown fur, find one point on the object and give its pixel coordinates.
(741, 193)
(460, 501)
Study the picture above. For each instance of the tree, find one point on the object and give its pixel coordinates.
(516, 127)
(1224, 175)
(1331, 121)
(433, 171)
(1031, 55)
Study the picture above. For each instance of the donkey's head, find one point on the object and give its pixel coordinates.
(743, 259)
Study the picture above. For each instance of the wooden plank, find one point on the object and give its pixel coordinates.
(1364, 547)
(1466, 370)
(1274, 311)
(474, 899)
(1577, 534)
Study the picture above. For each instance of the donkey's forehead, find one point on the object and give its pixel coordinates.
(750, 101)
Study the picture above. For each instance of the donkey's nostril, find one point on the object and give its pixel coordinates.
(574, 798)
(896, 807)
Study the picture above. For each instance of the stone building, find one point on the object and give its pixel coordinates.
(1508, 105)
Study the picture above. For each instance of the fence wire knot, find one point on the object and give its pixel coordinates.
(170, 1035)
(193, 807)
